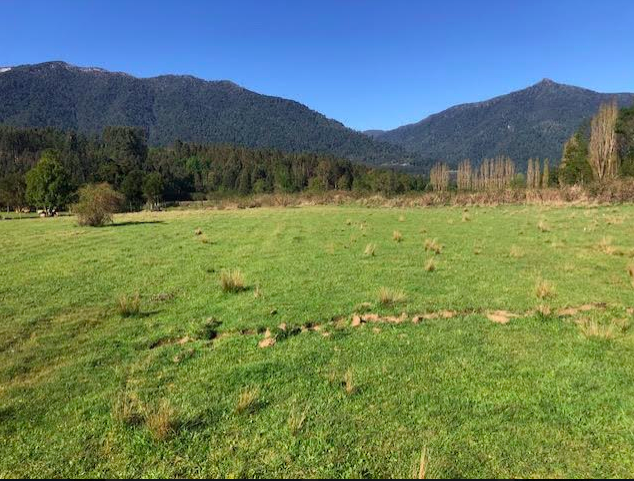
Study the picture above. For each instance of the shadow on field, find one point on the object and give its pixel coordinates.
(131, 222)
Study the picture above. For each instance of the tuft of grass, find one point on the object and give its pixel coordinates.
(543, 226)
(198, 231)
(433, 245)
(162, 421)
(127, 409)
(516, 252)
(544, 290)
(296, 420)
(397, 236)
(232, 281)
(605, 245)
(594, 330)
(389, 297)
(466, 217)
(630, 272)
(348, 383)
(248, 401)
(430, 265)
(370, 250)
(543, 312)
(401, 218)
(129, 306)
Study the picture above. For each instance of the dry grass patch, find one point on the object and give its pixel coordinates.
(433, 245)
(401, 218)
(232, 281)
(544, 290)
(397, 236)
(389, 297)
(430, 265)
(248, 401)
(516, 252)
(594, 330)
(370, 250)
(129, 306)
(543, 226)
(605, 246)
(348, 383)
(128, 409)
(162, 421)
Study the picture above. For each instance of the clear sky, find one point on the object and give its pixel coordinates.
(369, 64)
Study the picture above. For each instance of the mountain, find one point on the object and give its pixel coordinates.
(175, 107)
(534, 122)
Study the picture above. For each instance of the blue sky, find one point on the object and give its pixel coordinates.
(369, 64)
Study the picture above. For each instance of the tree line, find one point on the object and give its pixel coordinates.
(44, 167)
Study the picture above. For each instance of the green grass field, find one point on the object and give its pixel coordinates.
(183, 388)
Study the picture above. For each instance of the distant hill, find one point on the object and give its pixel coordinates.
(183, 108)
(534, 122)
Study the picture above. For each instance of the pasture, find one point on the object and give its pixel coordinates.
(321, 341)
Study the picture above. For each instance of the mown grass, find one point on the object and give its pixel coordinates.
(181, 388)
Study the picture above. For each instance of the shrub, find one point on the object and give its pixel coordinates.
(129, 306)
(96, 204)
(232, 281)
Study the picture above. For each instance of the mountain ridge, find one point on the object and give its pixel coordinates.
(531, 122)
(179, 107)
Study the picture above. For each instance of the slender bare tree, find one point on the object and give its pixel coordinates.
(602, 149)
(465, 175)
(546, 174)
(439, 177)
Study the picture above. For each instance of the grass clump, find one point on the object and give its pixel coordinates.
(397, 236)
(430, 265)
(248, 401)
(516, 252)
(162, 421)
(129, 306)
(296, 420)
(543, 226)
(127, 409)
(630, 272)
(348, 383)
(544, 290)
(370, 250)
(232, 281)
(432, 245)
(389, 297)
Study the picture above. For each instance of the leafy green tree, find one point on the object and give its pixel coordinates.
(574, 167)
(153, 187)
(132, 189)
(48, 184)
(13, 191)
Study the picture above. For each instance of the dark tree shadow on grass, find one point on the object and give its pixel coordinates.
(127, 223)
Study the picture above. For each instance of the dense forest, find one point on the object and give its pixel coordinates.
(121, 157)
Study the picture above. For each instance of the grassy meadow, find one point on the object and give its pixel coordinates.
(330, 341)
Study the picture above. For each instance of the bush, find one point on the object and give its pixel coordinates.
(97, 203)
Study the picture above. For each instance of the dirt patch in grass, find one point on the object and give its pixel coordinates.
(501, 317)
